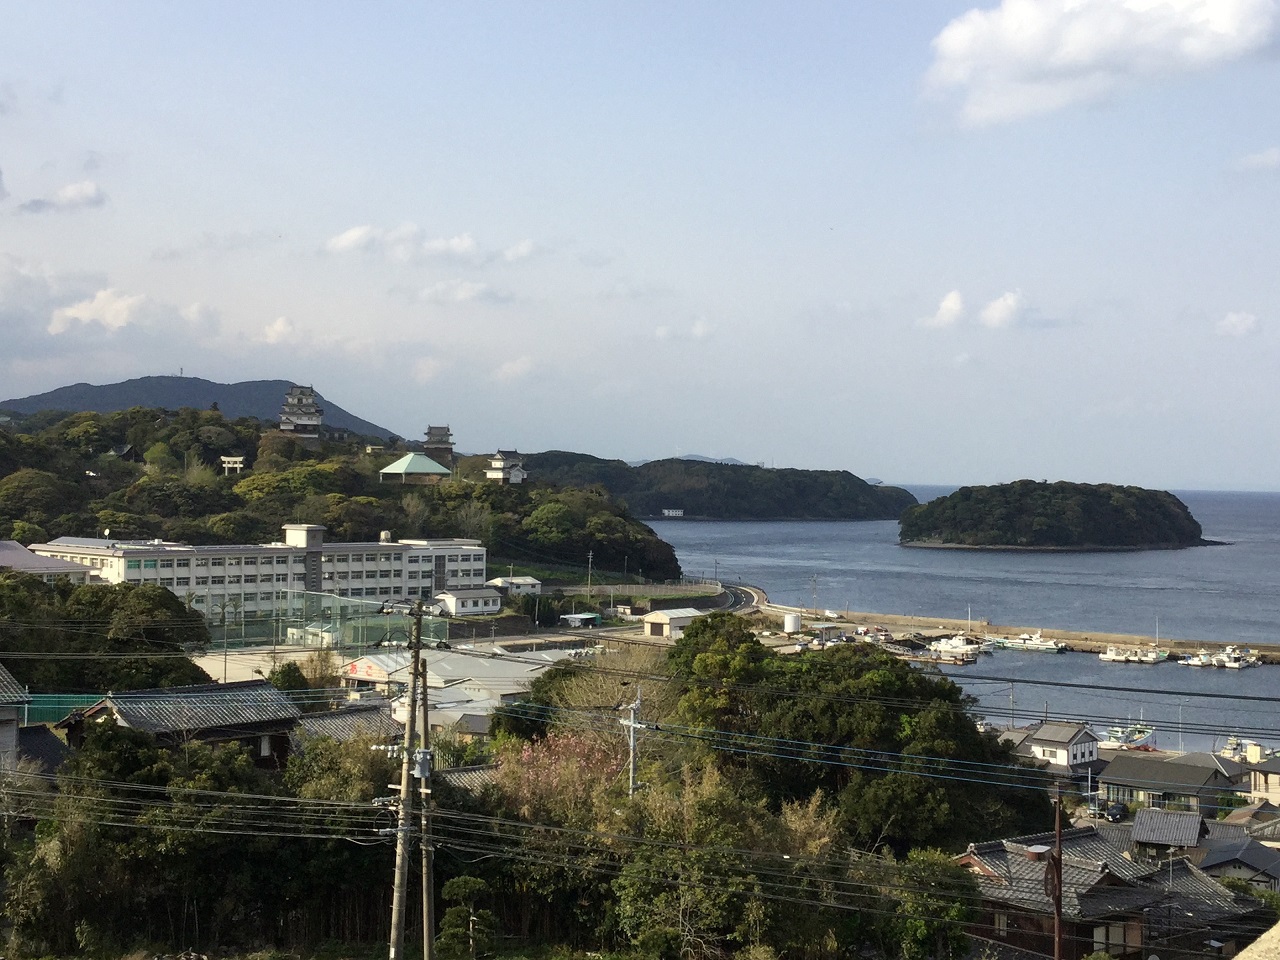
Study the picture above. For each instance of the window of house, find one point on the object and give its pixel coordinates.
(397, 557)
(218, 580)
(166, 564)
(184, 563)
(250, 578)
(166, 582)
(370, 558)
(133, 564)
(384, 591)
(148, 564)
(202, 561)
(202, 581)
(282, 578)
(184, 581)
(281, 561)
(340, 558)
(250, 561)
(218, 561)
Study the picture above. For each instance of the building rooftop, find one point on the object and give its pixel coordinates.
(202, 706)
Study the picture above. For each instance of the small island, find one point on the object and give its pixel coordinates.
(1037, 515)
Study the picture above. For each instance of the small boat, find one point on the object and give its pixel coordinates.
(1114, 654)
(1233, 658)
(1029, 641)
(1201, 658)
(1134, 736)
(960, 644)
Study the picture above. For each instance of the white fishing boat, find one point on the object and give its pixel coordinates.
(1115, 654)
(1129, 737)
(1233, 658)
(1031, 642)
(960, 644)
(1201, 658)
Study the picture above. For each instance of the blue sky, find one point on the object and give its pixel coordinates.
(928, 242)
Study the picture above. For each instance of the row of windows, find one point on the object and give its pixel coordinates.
(367, 558)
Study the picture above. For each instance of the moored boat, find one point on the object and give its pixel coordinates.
(1233, 658)
(1131, 736)
(1029, 641)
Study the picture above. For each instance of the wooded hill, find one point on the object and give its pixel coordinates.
(259, 399)
(1062, 515)
(722, 491)
(63, 480)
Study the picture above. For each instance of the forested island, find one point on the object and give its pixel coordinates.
(1038, 515)
(724, 491)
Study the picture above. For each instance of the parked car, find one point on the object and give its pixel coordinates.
(1116, 812)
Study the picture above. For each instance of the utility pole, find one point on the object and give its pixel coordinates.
(1056, 867)
(632, 726)
(590, 554)
(400, 889)
(814, 580)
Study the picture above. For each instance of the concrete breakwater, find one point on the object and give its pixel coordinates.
(1079, 641)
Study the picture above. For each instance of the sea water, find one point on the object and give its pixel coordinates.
(1218, 594)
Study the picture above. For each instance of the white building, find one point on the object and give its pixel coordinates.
(14, 556)
(517, 586)
(472, 602)
(670, 623)
(506, 466)
(249, 582)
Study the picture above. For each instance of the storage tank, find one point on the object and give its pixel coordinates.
(791, 623)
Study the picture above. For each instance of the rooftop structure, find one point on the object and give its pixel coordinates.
(413, 468)
(506, 466)
(438, 445)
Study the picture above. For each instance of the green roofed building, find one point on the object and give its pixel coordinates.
(413, 468)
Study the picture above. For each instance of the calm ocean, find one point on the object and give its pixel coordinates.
(1222, 594)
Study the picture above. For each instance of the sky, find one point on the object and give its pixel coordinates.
(928, 242)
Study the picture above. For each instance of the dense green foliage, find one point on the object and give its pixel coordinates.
(1053, 515)
(62, 479)
(724, 491)
(92, 638)
(769, 783)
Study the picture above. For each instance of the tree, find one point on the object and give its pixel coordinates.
(934, 899)
(464, 930)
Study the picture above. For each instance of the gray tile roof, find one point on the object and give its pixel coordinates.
(206, 706)
(41, 745)
(1151, 773)
(1168, 828)
(467, 779)
(1244, 850)
(1061, 732)
(350, 721)
(11, 691)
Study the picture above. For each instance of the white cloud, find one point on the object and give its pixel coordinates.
(1236, 325)
(108, 308)
(457, 291)
(74, 196)
(280, 330)
(1268, 159)
(1030, 57)
(519, 251)
(1003, 311)
(407, 243)
(514, 369)
(426, 369)
(463, 245)
(701, 329)
(950, 309)
(357, 238)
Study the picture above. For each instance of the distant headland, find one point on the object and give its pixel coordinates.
(1061, 516)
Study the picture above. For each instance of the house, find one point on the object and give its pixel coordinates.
(1109, 903)
(301, 413)
(506, 466)
(669, 623)
(13, 697)
(39, 746)
(472, 602)
(368, 718)
(1067, 750)
(415, 468)
(1159, 834)
(126, 452)
(1189, 782)
(14, 556)
(517, 586)
(1241, 858)
(1264, 776)
(252, 713)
